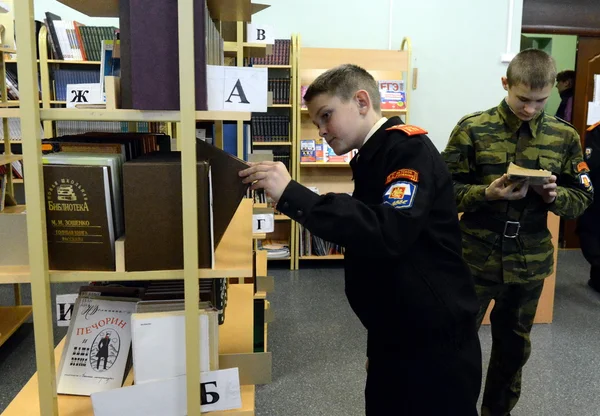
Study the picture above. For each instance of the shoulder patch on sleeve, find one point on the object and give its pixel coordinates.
(410, 174)
(408, 129)
(586, 182)
(400, 194)
(593, 126)
(468, 116)
(582, 166)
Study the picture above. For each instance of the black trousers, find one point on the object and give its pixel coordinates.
(444, 382)
(588, 229)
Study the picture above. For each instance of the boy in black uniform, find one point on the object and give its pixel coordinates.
(405, 277)
(588, 225)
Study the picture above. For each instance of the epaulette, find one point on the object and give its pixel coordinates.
(408, 129)
(468, 116)
(564, 122)
(593, 126)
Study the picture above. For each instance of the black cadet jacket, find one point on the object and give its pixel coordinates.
(405, 277)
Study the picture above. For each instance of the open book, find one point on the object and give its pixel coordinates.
(536, 177)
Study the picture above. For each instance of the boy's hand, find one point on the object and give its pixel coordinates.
(501, 188)
(548, 190)
(273, 177)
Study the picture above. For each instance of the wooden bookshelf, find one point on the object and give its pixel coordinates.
(12, 318)
(235, 336)
(312, 62)
(272, 143)
(273, 66)
(328, 257)
(324, 164)
(233, 257)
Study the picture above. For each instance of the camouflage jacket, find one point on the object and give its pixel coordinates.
(479, 150)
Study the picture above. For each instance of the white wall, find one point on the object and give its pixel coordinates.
(457, 46)
(66, 13)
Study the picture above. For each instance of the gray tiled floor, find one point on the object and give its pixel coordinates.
(318, 349)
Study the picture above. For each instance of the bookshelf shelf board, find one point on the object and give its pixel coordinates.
(21, 274)
(11, 318)
(272, 66)
(232, 46)
(279, 258)
(261, 205)
(9, 112)
(281, 106)
(324, 164)
(9, 104)
(8, 159)
(271, 143)
(70, 114)
(260, 295)
(27, 401)
(259, 236)
(329, 257)
(7, 50)
(384, 112)
(281, 217)
(17, 181)
(15, 209)
(223, 10)
(63, 61)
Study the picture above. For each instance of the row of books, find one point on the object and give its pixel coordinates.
(71, 41)
(311, 245)
(279, 56)
(276, 249)
(100, 185)
(280, 87)
(60, 78)
(392, 94)
(318, 150)
(270, 128)
(65, 127)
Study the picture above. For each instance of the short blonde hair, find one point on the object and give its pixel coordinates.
(533, 68)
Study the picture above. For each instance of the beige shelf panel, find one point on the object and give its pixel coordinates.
(271, 143)
(304, 111)
(136, 115)
(335, 180)
(224, 10)
(233, 258)
(329, 257)
(325, 164)
(11, 318)
(7, 50)
(8, 159)
(15, 209)
(27, 401)
(272, 66)
(280, 106)
(281, 217)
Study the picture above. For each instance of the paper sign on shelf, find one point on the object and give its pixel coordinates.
(64, 308)
(84, 94)
(258, 33)
(219, 390)
(236, 88)
(263, 223)
(593, 113)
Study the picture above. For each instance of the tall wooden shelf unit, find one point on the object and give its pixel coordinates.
(383, 65)
(233, 256)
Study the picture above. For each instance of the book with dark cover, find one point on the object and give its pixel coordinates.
(150, 54)
(79, 217)
(153, 213)
(228, 189)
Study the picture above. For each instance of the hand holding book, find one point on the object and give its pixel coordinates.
(543, 182)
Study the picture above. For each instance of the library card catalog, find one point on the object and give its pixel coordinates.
(237, 89)
(220, 390)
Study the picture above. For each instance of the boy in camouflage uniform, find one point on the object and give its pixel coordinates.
(506, 241)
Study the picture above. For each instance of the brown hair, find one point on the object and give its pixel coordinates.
(533, 68)
(567, 75)
(343, 81)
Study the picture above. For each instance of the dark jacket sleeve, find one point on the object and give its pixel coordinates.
(575, 191)
(379, 230)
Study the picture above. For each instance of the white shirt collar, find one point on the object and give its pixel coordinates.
(375, 127)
